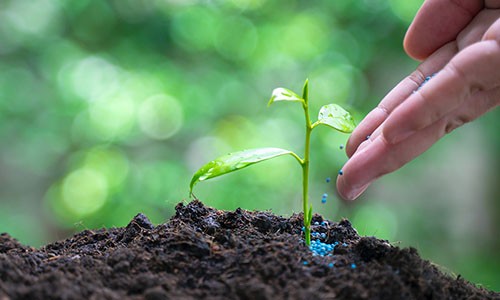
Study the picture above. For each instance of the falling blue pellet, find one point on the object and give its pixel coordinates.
(323, 200)
(341, 147)
(353, 266)
(305, 263)
(328, 179)
(330, 265)
(341, 172)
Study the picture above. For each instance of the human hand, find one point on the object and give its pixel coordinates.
(407, 123)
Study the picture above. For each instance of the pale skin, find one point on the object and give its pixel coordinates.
(460, 41)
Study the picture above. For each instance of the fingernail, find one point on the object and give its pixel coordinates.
(398, 137)
(354, 193)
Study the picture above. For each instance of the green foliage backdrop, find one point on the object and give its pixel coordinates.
(108, 107)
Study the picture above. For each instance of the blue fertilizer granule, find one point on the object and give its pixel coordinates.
(322, 249)
(323, 198)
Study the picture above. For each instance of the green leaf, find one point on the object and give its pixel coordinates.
(282, 94)
(236, 161)
(335, 116)
(305, 90)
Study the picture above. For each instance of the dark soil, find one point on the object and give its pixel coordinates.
(203, 253)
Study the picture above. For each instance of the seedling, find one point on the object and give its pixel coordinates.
(331, 115)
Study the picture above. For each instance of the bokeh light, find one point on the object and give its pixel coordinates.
(84, 191)
(160, 116)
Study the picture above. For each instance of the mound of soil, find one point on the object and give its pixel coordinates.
(203, 253)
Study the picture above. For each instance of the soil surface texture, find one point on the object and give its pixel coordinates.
(203, 253)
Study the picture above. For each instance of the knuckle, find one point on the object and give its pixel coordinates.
(417, 77)
(456, 122)
(384, 109)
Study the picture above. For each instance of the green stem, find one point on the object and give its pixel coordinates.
(305, 173)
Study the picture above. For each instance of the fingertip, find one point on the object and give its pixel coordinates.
(413, 48)
(350, 183)
(342, 189)
(436, 24)
(347, 192)
(493, 32)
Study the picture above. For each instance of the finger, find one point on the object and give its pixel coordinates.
(397, 95)
(474, 32)
(476, 106)
(376, 158)
(437, 23)
(493, 32)
(474, 69)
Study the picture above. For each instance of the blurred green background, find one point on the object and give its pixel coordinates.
(108, 107)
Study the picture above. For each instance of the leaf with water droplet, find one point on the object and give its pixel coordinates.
(335, 116)
(282, 94)
(236, 161)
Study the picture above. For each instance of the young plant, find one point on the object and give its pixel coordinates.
(330, 115)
